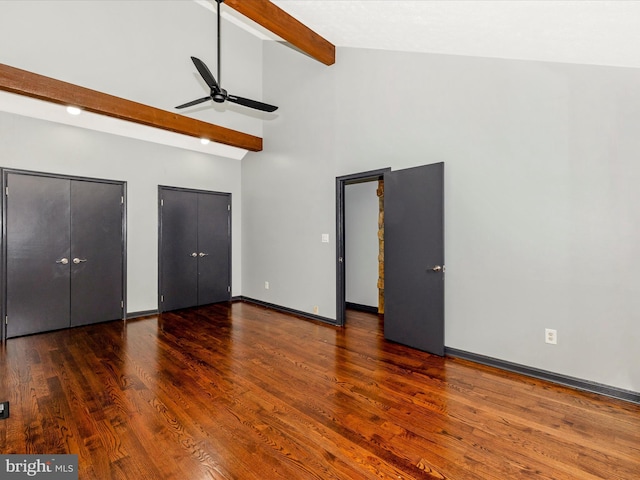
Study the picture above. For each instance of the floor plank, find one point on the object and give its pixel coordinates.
(237, 391)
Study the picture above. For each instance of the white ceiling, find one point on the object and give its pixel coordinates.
(580, 31)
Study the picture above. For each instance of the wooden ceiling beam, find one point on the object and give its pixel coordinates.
(37, 86)
(276, 20)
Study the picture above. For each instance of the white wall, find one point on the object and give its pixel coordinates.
(541, 175)
(42, 146)
(288, 197)
(361, 208)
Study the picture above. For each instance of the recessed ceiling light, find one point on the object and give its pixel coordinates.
(73, 110)
(204, 141)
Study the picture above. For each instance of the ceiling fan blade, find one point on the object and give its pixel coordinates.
(265, 107)
(194, 102)
(205, 73)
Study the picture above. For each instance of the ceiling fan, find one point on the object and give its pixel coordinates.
(219, 94)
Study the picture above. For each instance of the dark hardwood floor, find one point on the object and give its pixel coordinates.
(242, 392)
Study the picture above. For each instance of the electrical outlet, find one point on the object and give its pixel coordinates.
(316, 309)
(4, 409)
(551, 336)
(266, 285)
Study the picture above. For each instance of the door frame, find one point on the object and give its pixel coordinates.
(161, 188)
(341, 183)
(4, 172)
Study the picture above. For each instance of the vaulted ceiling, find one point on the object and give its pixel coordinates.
(589, 32)
(602, 32)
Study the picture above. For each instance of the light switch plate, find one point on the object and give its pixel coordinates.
(325, 238)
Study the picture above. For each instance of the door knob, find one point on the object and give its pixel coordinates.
(204, 254)
(194, 254)
(63, 261)
(437, 268)
(79, 260)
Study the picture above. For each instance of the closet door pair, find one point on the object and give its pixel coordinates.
(195, 248)
(64, 252)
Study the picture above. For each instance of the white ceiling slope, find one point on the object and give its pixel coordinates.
(605, 32)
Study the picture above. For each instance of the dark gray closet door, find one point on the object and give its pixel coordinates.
(179, 249)
(213, 248)
(96, 252)
(38, 266)
(414, 257)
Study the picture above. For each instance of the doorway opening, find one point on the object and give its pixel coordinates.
(341, 238)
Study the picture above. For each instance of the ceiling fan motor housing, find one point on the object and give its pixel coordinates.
(220, 96)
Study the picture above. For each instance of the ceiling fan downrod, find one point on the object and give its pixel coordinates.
(219, 2)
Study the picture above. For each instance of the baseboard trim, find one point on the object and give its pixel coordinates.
(577, 383)
(361, 308)
(292, 311)
(143, 313)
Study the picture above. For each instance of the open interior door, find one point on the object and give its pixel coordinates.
(414, 257)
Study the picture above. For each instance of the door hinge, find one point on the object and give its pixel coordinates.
(229, 289)
(162, 298)
(6, 191)
(122, 200)
(228, 208)
(6, 320)
(162, 202)
(121, 303)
